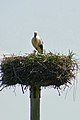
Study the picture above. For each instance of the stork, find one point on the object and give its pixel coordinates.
(37, 42)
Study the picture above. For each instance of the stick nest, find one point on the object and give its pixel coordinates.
(41, 70)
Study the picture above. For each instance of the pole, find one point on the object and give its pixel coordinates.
(34, 103)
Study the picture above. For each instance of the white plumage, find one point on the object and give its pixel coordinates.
(37, 42)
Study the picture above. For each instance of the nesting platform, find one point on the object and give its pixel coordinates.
(38, 70)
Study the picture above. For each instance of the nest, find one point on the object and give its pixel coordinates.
(38, 70)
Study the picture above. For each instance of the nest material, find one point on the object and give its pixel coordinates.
(41, 70)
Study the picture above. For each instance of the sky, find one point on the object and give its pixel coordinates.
(58, 23)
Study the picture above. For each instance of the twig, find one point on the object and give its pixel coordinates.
(16, 74)
(3, 87)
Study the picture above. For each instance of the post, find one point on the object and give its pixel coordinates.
(34, 103)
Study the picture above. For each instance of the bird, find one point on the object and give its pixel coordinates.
(37, 42)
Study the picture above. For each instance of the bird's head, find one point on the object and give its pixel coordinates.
(35, 33)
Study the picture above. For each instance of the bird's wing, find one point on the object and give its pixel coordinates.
(41, 47)
(37, 43)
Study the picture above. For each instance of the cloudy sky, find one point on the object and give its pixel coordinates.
(58, 23)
